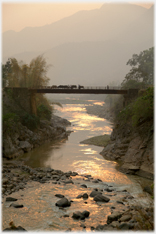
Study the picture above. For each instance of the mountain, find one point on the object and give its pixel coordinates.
(89, 47)
(94, 25)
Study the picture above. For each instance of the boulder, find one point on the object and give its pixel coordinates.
(94, 193)
(101, 198)
(15, 205)
(8, 199)
(81, 215)
(25, 146)
(114, 217)
(63, 202)
(59, 195)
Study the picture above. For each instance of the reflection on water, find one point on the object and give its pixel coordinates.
(39, 212)
(70, 155)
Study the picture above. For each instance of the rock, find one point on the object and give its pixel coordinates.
(125, 218)
(59, 195)
(79, 215)
(10, 199)
(83, 185)
(115, 224)
(65, 216)
(94, 193)
(126, 226)
(120, 202)
(63, 202)
(101, 198)
(149, 190)
(25, 145)
(109, 190)
(86, 213)
(114, 217)
(68, 182)
(5, 181)
(17, 205)
(79, 196)
(95, 181)
(85, 195)
(19, 228)
(83, 225)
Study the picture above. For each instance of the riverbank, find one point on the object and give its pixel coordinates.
(132, 147)
(116, 208)
(19, 139)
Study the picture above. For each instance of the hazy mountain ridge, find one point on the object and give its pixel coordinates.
(89, 47)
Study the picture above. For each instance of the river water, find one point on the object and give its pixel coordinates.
(40, 212)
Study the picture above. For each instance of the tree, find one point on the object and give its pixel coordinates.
(18, 74)
(6, 69)
(142, 71)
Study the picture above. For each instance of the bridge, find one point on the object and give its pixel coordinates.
(21, 94)
(79, 90)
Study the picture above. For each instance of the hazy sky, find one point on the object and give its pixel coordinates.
(17, 15)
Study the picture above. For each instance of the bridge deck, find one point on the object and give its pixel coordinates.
(80, 91)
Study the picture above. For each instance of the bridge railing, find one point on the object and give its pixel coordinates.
(77, 87)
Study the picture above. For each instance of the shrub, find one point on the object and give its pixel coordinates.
(43, 112)
(8, 120)
(143, 107)
(30, 121)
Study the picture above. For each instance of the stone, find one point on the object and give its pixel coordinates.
(11, 199)
(109, 190)
(86, 213)
(25, 145)
(94, 193)
(81, 215)
(85, 195)
(125, 218)
(115, 224)
(15, 205)
(101, 198)
(68, 182)
(79, 196)
(126, 226)
(59, 195)
(77, 215)
(113, 217)
(120, 202)
(63, 202)
(84, 185)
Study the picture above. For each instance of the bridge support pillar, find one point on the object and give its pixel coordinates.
(131, 95)
(33, 103)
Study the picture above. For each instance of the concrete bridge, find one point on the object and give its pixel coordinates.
(23, 94)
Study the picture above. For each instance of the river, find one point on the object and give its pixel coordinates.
(39, 212)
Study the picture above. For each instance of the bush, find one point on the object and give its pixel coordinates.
(139, 110)
(43, 112)
(143, 107)
(30, 121)
(8, 120)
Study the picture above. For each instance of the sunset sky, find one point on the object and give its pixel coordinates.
(17, 15)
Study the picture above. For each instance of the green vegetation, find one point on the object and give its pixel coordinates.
(138, 111)
(141, 74)
(7, 120)
(30, 121)
(140, 77)
(18, 74)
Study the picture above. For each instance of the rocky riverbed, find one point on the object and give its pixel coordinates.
(118, 209)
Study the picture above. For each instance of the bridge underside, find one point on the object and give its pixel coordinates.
(81, 91)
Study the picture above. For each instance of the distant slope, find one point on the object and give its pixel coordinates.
(94, 25)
